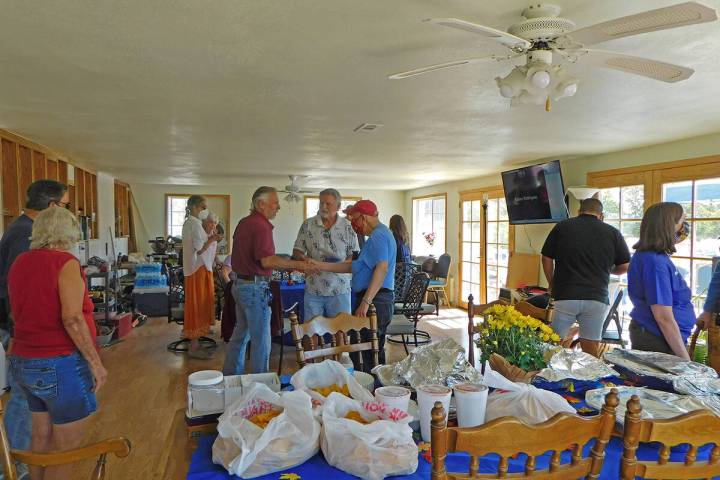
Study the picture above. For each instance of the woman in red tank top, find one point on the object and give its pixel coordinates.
(53, 356)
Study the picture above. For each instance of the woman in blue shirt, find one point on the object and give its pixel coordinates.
(662, 314)
(402, 239)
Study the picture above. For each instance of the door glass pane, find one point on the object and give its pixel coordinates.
(467, 211)
(492, 211)
(504, 232)
(475, 272)
(502, 210)
(683, 267)
(465, 290)
(631, 232)
(492, 280)
(707, 198)
(610, 198)
(476, 231)
(632, 202)
(492, 252)
(475, 217)
(467, 231)
(492, 232)
(503, 255)
(702, 272)
(502, 276)
(679, 192)
(466, 272)
(467, 252)
(475, 254)
(705, 238)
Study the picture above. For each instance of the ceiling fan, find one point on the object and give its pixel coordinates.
(544, 33)
(293, 191)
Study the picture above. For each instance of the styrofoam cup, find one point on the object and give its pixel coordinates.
(470, 401)
(427, 395)
(393, 397)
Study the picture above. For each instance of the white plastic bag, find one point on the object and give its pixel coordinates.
(290, 439)
(521, 400)
(374, 451)
(324, 374)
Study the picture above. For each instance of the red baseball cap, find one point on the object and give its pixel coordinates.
(366, 207)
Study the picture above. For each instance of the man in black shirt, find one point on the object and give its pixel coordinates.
(578, 257)
(41, 194)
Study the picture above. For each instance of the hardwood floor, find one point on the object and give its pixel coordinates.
(147, 386)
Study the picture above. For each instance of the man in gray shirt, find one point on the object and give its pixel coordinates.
(326, 237)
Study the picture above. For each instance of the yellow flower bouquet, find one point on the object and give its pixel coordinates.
(520, 339)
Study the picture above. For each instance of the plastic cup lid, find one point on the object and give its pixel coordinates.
(205, 378)
(434, 389)
(392, 391)
(470, 387)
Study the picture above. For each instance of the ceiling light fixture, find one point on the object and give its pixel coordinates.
(536, 83)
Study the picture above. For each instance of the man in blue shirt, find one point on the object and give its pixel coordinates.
(373, 279)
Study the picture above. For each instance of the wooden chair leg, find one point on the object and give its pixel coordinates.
(99, 472)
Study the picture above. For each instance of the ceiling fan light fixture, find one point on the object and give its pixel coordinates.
(507, 91)
(570, 90)
(540, 79)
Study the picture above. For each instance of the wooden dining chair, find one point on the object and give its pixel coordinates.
(695, 428)
(119, 446)
(508, 436)
(472, 328)
(543, 314)
(311, 337)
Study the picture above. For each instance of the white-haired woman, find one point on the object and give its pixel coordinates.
(53, 355)
(199, 283)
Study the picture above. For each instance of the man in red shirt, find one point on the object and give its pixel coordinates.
(253, 261)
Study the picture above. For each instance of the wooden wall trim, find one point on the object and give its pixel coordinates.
(656, 166)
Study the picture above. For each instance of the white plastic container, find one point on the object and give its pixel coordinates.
(471, 402)
(206, 392)
(427, 395)
(394, 397)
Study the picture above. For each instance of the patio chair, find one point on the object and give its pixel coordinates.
(404, 324)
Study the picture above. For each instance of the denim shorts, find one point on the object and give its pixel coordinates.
(61, 386)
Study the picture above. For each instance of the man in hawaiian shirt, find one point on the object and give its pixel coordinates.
(326, 237)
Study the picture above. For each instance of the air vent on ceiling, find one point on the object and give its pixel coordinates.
(367, 127)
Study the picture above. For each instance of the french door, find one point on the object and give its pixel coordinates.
(485, 245)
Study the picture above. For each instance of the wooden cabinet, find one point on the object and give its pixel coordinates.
(23, 162)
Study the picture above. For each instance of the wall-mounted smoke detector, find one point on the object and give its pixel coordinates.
(367, 127)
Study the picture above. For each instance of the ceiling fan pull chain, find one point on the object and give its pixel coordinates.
(547, 104)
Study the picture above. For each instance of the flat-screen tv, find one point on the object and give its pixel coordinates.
(535, 194)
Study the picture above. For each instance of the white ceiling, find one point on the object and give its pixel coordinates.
(243, 92)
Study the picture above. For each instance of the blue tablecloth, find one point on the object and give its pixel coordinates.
(202, 468)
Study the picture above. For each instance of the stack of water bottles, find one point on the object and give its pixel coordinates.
(148, 275)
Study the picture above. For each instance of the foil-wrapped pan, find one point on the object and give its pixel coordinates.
(441, 362)
(656, 404)
(656, 364)
(575, 365)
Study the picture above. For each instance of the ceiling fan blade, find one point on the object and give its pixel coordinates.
(665, 72)
(509, 40)
(440, 66)
(688, 13)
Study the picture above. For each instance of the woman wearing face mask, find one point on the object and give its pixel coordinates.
(662, 314)
(199, 285)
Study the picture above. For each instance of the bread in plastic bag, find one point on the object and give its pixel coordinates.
(324, 374)
(382, 448)
(290, 439)
(521, 400)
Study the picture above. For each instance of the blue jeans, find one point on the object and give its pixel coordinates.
(252, 324)
(62, 386)
(18, 421)
(328, 306)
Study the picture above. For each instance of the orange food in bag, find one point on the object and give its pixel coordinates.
(325, 391)
(353, 415)
(262, 419)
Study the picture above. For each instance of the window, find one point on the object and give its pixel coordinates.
(428, 227)
(700, 200)
(497, 245)
(312, 204)
(175, 214)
